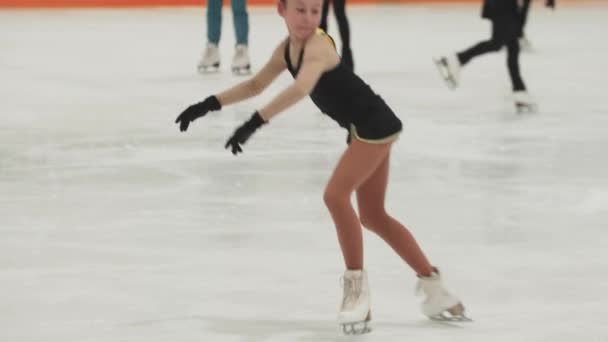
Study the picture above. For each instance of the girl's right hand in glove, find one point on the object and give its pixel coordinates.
(197, 110)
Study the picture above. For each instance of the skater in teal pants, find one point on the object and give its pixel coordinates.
(211, 58)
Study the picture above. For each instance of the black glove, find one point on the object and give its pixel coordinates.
(197, 110)
(550, 3)
(240, 136)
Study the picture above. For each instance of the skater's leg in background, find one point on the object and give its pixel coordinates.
(370, 199)
(214, 21)
(241, 21)
(240, 61)
(513, 65)
(495, 43)
(324, 13)
(523, 17)
(340, 11)
(344, 28)
(358, 162)
(210, 60)
(513, 50)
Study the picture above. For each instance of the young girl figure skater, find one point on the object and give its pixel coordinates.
(310, 56)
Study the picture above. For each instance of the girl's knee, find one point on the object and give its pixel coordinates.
(374, 221)
(333, 198)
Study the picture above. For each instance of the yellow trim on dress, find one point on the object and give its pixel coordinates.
(321, 32)
(385, 140)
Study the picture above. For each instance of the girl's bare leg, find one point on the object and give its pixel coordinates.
(370, 199)
(359, 161)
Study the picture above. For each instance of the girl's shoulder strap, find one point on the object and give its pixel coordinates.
(320, 31)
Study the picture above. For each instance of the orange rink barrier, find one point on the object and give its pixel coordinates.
(151, 3)
(176, 3)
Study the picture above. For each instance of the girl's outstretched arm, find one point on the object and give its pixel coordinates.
(240, 92)
(260, 81)
(319, 57)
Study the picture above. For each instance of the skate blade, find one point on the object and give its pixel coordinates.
(212, 69)
(454, 314)
(357, 328)
(242, 70)
(441, 64)
(525, 108)
(443, 317)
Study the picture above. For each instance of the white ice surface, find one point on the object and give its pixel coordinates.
(114, 226)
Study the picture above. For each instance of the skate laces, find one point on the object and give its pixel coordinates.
(352, 291)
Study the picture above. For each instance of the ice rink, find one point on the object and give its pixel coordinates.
(114, 226)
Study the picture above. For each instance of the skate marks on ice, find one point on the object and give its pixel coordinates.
(444, 318)
(382, 329)
(304, 330)
(257, 329)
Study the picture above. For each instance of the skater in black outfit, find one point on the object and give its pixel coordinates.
(506, 27)
(340, 12)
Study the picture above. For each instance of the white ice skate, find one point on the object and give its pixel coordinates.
(355, 314)
(240, 62)
(524, 102)
(210, 62)
(525, 45)
(440, 304)
(449, 69)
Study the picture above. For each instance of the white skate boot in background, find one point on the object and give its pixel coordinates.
(524, 102)
(210, 62)
(355, 313)
(449, 69)
(440, 304)
(240, 62)
(525, 45)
